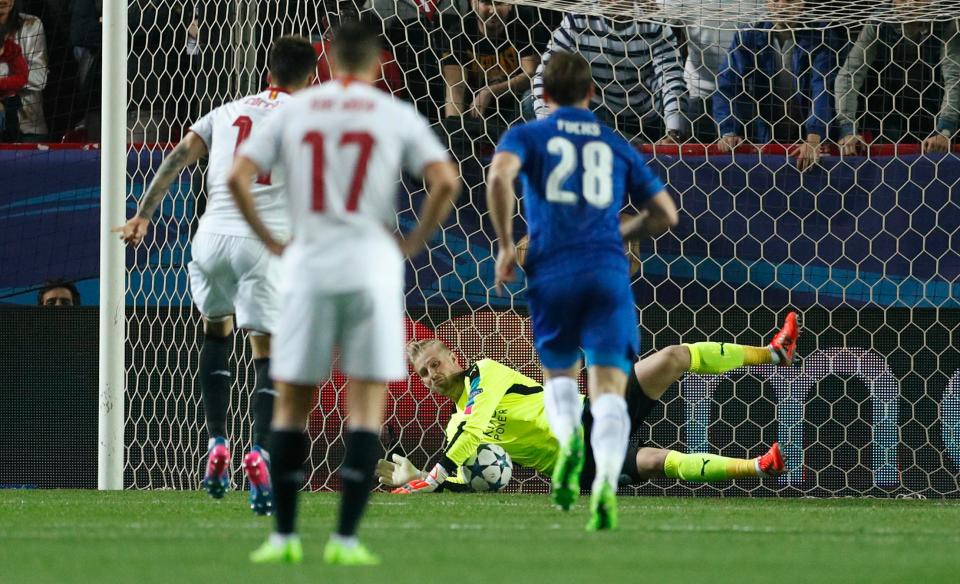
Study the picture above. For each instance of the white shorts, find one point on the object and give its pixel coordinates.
(235, 275)
(366, 325)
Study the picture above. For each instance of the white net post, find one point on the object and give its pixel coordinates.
(113, 175)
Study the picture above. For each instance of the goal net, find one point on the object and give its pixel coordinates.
(864, 245)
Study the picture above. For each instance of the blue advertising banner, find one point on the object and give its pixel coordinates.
(879, 231)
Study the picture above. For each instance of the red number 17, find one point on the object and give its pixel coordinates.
(365, 142)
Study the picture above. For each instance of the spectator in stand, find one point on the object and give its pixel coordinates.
(411, 28)
(58, 292)
(391, 77)
(487, 66)
(769, 65)
(13, 78)
(707, 42)
(85, 35)
(636, 67)
(27, 31)
(905, 57)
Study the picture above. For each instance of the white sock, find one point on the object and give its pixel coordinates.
(281, 539)
(774, 356)
(345, 541)
(609, 437)
(211, 441)
(563, 407)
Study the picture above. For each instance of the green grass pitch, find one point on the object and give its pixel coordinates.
(184, 537)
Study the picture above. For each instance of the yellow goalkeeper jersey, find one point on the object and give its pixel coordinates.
(501, 406)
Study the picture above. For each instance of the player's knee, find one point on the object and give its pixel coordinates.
(678, 356)
(291, 408)
(218, 327)
(650, 462)
(259, 344)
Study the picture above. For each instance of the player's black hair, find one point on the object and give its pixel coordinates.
(567, 78)
(291, 60)
(59, 283)
(355, 46)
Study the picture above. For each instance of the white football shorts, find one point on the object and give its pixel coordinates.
(366, 325)
(235, 275)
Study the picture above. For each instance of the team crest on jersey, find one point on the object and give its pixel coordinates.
(471, 397)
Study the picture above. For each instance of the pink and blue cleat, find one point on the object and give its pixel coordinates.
(216, 481)
(257, 466)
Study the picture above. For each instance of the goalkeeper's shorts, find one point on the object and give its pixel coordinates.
(639, 407)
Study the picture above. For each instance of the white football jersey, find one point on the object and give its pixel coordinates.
(343, 145)
(223, 130)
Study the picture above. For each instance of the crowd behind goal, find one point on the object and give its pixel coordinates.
(475, 67)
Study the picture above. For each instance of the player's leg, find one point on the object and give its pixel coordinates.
(357, 473)
(609, 338)
(372, 353)
(215, 378)
(302, 352)
(256, 463)
(609, 439)
(659, 371)
(257, 308)
(557, 339)
(213, 288)
(705, 468)
(289, 446)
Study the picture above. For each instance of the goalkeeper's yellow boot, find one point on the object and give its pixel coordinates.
(566, 471)
(287, 551)
(603, 508)
(339, 554)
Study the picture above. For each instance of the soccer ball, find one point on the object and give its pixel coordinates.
(489, 469)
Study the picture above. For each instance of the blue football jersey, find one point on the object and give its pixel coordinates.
(576, 174)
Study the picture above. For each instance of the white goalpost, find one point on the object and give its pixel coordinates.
(113, 185)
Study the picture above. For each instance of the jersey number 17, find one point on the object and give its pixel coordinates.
(596, 159)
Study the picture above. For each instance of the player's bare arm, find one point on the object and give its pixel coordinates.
(443, 189)
(191, 149)
(242, 175)
(502, 202)
(657, 217)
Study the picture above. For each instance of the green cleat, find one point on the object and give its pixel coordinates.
(337, 554)
(289, 552)
(603, 506)
(566, 472)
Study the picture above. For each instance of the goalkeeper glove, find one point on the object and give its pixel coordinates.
(399, 472)
(428, 484)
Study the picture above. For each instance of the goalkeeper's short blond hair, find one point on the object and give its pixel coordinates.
(416, 348)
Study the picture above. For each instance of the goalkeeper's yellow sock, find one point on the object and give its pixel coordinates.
(717, 358)
(707, 468)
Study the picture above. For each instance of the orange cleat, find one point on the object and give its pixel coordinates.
(785, 341)
(771, 464)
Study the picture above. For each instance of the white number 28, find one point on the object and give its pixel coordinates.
(597, 160)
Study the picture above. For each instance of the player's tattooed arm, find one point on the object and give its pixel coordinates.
(191, 149)
(187, 152)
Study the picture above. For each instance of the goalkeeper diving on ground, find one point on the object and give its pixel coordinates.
(498, 405)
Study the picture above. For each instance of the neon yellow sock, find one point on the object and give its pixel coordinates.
(715, 358)
(707, 468)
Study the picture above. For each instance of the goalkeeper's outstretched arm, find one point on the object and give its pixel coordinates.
(191, 149)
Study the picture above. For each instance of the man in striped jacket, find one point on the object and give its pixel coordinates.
(637, 70)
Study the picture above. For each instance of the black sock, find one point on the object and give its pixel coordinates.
(288, 453)
(356, 474)
(215, 381)
(262, 405)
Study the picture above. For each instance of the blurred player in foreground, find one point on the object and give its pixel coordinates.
(232, 273)
(498, 405)
(576, 175)
(343, 145)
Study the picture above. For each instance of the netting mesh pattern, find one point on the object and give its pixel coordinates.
(865, 247)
